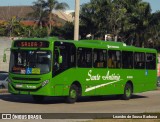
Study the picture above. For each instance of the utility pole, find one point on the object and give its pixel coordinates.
(76, 21)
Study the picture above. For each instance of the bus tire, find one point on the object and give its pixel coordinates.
(127, 92)
(73, 94)
(38, 98)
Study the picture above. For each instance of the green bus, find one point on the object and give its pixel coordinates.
(50, 67)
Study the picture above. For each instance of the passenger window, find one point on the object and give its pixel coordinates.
(127, 60)
(84, 57)
(72, 56)
(150, 61)
(139, 60)
(99, 58)
(114, 59)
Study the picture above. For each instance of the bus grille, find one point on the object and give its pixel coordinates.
(27, 79)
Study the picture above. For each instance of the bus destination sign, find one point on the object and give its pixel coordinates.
(40, 44)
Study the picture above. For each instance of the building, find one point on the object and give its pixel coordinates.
(22, 12)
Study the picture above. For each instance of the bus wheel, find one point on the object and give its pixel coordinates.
(38, 98)
(73, 94)
(127, 92)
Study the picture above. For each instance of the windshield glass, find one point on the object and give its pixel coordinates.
(30, 62)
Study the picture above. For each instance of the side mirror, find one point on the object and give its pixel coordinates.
(4, 54)
(4, 57)
(60, 59)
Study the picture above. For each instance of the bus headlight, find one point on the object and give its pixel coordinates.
(45, 82)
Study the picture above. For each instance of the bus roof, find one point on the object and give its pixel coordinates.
(99, 44)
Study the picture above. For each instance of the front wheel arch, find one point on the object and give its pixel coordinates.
(76, 83)
(73, 94)
(75, 90)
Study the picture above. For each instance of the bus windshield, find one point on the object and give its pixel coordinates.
(30, 62)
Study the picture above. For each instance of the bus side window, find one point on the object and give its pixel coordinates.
(84, 57)
(150, 61)
(114, 59)
(72, 56)
(127, 59)
(139, 60)
(99, 58)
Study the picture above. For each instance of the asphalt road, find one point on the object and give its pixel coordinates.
(140, 103)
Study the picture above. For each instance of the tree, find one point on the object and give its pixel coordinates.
(65, 32)
(130, 20)
(54, 5)
(103, 16)
(153, 32)
(143, 11)
(14, 27)
(117, 18)
(38, 12)
(87, 19)
(2, 29)
(95, 16)
(134, 25)
(43, 11)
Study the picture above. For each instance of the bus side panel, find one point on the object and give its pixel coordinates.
(59, 90)
(92, 82)
(102, 81)
(151, 80)
(144, 80)
(152, 85)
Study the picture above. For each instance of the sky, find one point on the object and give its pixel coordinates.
(155, 4)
